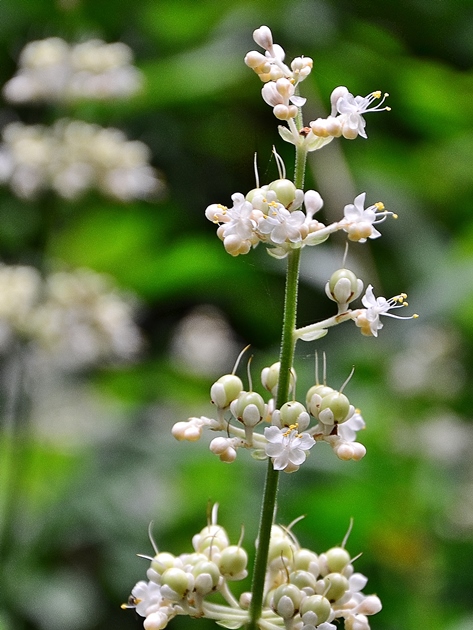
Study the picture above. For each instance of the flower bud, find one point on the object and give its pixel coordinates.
(317, 604)
(306, 560)
(248, 408)
(337, 559)
(263, 37)
(336, 585)
(343, 287)
(285, 190)
(206, 575)
(304, 581)
(233, 562)
(178, 581)
(286, 600)
(292, 413)
(225, 390)
(335, 408)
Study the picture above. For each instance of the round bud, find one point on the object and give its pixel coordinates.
(232, 563)
(285, 190)
(304, 581)
(249, 408)
(336, 585)
(345, 274)
(286, 600)
(177, 580)
(294, 412)
(281, 552)
(211, 536)
(162, 561)
(206, 577)
(320, 390)
(317, 604)
(306, 560)
(337, 559)
(339, 406)
(225, 389)
(270, 377)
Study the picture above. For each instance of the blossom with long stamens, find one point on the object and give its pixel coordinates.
(358, 221)
(351, 109)
(368, 319)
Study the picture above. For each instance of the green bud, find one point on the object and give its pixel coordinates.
(162, 561)
(256, 191)
(233, 561)
(286, 600)
(337, 559)
(318, 605)
(338, 404)
(249, 408)
(177, 579)
(290, 413)
(225, 390)
(345, 274)
(336, 586)
(304, 559)
(302, 579)
(285, 191)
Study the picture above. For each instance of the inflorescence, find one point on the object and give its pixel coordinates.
(303, 590)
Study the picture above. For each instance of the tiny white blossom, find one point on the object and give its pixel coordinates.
(351, 108)
(287, 447)
(280, 225)
(368, 319)
(359, 221)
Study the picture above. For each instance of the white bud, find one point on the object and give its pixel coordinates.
(263, 37)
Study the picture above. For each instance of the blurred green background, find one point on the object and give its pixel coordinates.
(98, 462)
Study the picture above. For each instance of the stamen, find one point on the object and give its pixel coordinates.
(235, 367)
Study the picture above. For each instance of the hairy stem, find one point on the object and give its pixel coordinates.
(286, 358)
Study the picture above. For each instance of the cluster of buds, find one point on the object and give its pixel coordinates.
(281, 93)
(72, 157)
(272, 214)
(51, 70)
(303, 590)
(289, 432)
(76, 318)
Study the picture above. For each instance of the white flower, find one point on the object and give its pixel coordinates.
(359, 222)
(280, 225)
(287, 447)
(368, 319)
(351, 109)
(52, 70)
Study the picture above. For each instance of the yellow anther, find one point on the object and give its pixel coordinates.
(379, 205)
(404, 295)
(405, 304)
(377, 94)
(415, 316)
(388, 109)
(395, 216)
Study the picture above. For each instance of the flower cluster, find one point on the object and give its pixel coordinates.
(272, 214)
(303, 590)
(73, 156)
(78, 318)
(52, 70)
(289, 433)
(281, 92)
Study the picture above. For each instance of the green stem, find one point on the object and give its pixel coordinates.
(286, 358)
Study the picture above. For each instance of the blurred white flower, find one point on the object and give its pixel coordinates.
(77, 318)
(83, 319)
(52, 70)
(71, 157)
